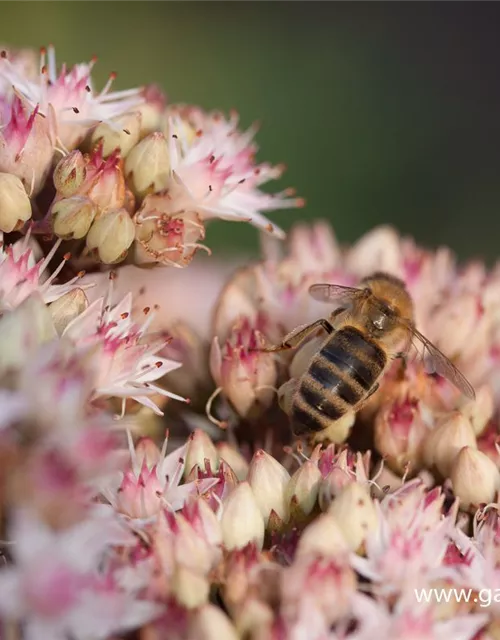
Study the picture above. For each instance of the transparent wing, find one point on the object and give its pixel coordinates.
(438, 363)
(334, 293)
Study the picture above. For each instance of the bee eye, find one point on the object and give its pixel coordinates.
(379, 321)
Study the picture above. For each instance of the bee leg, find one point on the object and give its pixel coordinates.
(298, 335)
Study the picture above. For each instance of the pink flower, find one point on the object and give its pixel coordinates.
(27, 141)
(71, 96)
(125, 359)
(214, 163)
(54, 587)
(21, 275)
(151, 482)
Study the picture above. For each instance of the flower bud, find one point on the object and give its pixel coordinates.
(475, 478)
(210, 623)
(69, 174)
(234, 459)
(15, 206)
(152, 109)
(445, 441)
(122, 133)
(147, 167)
(355, 514)
(190, 588)
(332, 485)
(67, 308)
(242, 521)
(324, 537)
(111, 235)
(399, 434)
(269, 480)
(302, 490)
(246, 376)
(253, 619)
(200, 450)
(72, 217)
(481, 410)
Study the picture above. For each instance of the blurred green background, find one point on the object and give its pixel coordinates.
(383, 112)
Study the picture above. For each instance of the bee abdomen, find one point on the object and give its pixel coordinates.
(338, 378)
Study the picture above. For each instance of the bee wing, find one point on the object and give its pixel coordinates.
(438, 363)
(334, 293)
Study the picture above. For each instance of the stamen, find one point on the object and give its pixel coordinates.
(222, 424)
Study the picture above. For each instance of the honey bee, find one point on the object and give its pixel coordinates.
(373, 325)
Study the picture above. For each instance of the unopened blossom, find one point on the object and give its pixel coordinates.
(339, 470)
(323, 537)
(443, 443)
(481, 410)
(70, 173)
(15, 206)
(72, 217)
(27, 141)
(400, 431)
(147, 167)
(111, 236)
(122, 133)
(245, 375)
(201, 451)
(355, 513)
(70, 95)
(475, 478)
(127, 362)
(242, 521)
(302, 490)
(234, 459)
(224, 478)
(269, 481)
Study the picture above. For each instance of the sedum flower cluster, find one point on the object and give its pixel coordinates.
(150, 484)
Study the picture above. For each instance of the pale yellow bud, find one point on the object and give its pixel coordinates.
(122, 134)
(475, 478)
(190, 588)
(111, 236)
(147, 167)
(70, 173)
(67, 308)
(72, 217)
(269, 480)
(241, 520)
(302, 489)
(200, 449)
(211, 623)
(323, 537)
(15, 206)
(480, 410)
(253, 618)
(355, 514)
(444, 442)
(234, 459)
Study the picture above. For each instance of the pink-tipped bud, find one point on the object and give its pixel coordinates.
(111, 236)
(355, 513)
(246, 375)
(234, 459)
(210, 623)
(69, 174)
(323, 537)
(443, 443)
(302, 490)
(72, 217)
(269, 480)
(147, 167)
(475, 478)
(481, 410)
(201, 450)
(400, 430)
(15, 206)
(152, 110)
(122, 134)
(242, 521)
(190, 588)
(67, 308)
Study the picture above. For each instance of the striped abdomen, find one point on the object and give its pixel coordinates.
(340, 375)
